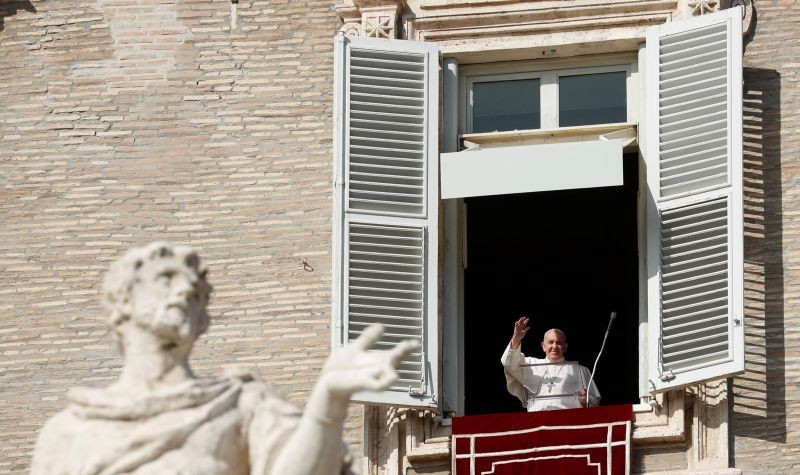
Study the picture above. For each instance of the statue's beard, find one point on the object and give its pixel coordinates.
(174, 324)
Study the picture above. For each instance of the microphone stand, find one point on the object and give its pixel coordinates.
(591, 377)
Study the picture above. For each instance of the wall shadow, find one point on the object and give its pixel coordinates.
(10, 8)
(759, 395)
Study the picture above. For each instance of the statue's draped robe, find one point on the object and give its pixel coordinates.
(230, 426)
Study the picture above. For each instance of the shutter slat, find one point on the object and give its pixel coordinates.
(691, 282)
(387, 126)
(378, 161)
(383, 177)
(689, 99)
(684, 135)
(387, 153)
(397, 312)
(403, 83)
(698, 157)
(696, 145)
(696, 315)
(395, 102)
(405, 120)
(398, 135)
(387, 185)
(710, 60)
(715, 171)
(680, 40)
(696, 185)
(692, 117)
(413, 322)
(675, 329)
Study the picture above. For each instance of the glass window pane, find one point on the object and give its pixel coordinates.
(592, 99)
(505, 105)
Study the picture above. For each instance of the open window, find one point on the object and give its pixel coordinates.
(386, 205)
(681, 187)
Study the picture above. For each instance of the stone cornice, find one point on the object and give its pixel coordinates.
(498, 30)
(494, 13)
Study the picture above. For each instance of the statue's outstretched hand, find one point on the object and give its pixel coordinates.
(354, 368)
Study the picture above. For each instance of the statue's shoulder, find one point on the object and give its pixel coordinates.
(258, 396)
(53, 442)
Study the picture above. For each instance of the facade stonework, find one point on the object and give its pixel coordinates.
(209, 123)
(127, 121)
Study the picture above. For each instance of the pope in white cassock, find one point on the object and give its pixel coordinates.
(548, 383)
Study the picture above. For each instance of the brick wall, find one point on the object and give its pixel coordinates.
(766, 402)
(125, 121)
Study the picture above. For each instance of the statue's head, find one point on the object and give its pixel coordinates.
(162, 289)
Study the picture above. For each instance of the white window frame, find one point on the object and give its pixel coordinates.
(548, 73)
(455, 210)
(638, 112)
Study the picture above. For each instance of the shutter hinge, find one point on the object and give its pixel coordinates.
(420, 391)
(667, 376)
(416, 392)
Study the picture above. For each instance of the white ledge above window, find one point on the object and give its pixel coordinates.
(625, 131)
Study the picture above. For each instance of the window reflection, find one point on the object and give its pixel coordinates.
(592, 99)
(505, 105)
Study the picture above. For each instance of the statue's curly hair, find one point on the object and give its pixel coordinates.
(123, 274)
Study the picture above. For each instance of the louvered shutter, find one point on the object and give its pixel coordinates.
(694, 163)
(386, 105)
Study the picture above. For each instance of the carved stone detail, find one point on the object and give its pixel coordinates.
(371, 18)
(351, 29)
(379, 25)
(701, 7)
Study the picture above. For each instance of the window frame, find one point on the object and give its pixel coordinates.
(641, 113)
(455, 214)
(548, 72)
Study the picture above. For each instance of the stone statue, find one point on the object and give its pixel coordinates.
(158, 418)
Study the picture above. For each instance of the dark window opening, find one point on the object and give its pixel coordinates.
(566, 259)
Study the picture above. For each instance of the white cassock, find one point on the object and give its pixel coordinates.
(545, 387)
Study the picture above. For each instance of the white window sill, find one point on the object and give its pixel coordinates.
(626, 131)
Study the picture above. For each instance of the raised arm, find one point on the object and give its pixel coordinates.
(511, 360)
(315, 447)
(520, 329)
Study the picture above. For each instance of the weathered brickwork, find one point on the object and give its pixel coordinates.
(125, 121)
(765, 422)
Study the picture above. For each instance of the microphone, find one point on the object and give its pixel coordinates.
(591, 377)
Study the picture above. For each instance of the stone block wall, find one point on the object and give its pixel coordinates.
(126, 121)
(765, 414)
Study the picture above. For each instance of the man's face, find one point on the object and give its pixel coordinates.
(166, 300)
(554, 346)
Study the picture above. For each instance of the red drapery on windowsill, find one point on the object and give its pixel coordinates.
(593, 440)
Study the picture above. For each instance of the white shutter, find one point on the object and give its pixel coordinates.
(694, 163)
(385, 219)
